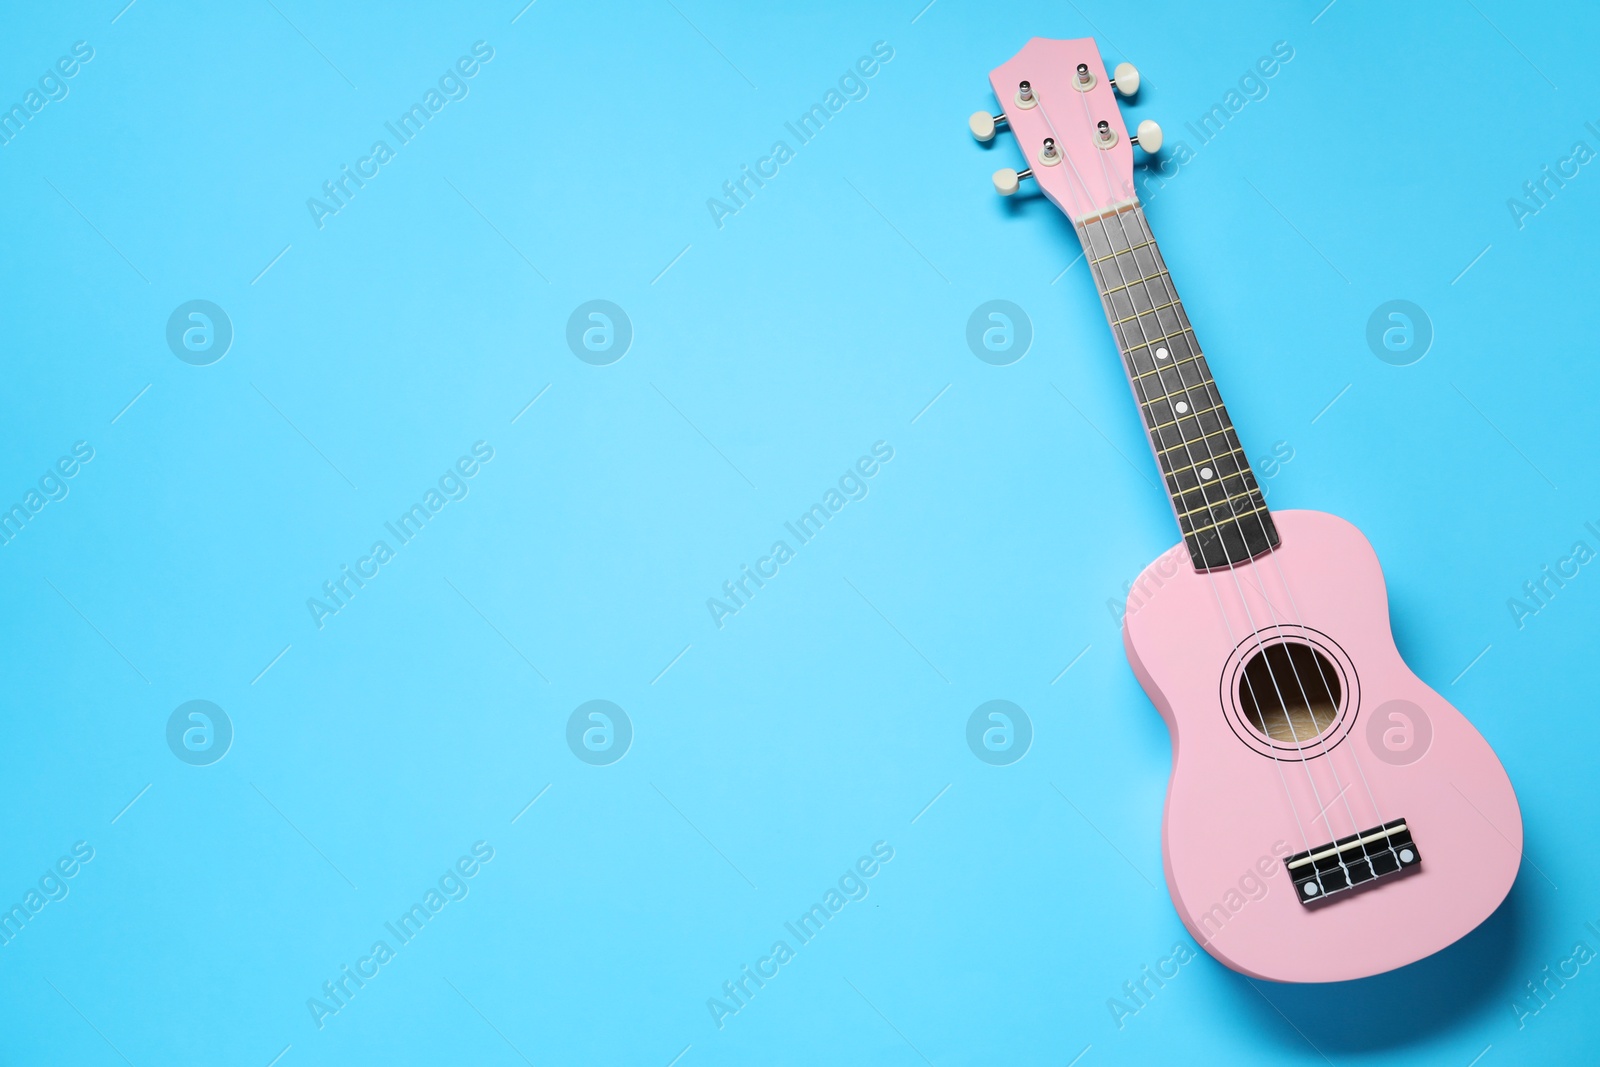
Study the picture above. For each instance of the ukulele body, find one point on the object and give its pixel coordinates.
(1242, 802)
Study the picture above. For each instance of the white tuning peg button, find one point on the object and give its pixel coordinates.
(1126, 79)
(982, 125)
(1005, 181)
(1149, 137)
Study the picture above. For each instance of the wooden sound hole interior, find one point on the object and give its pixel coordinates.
(1289, 692)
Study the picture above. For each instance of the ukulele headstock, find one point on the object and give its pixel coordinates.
(1058, 101)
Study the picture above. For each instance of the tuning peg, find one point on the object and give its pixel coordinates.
(1149, 137)
(1126, 79)
(1006, 180)
(982, 124)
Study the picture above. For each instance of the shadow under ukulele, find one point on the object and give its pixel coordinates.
(1408, 1006)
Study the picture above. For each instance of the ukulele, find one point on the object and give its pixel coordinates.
(1329, 816)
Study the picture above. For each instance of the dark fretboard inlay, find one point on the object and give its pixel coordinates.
(1221, 512)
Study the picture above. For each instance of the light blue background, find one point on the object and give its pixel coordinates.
(826, 715)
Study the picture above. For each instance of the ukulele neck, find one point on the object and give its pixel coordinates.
(1214, 494)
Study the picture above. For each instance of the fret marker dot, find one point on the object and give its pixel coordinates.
(1406, 855)
(1311, 889)
(1206, 473)
(1180, 407)
(1161, 353)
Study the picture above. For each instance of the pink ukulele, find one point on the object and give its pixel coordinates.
(1329, 816)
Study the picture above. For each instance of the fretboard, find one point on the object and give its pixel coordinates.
(1220, 510)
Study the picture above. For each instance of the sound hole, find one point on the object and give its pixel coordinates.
(1289, 692)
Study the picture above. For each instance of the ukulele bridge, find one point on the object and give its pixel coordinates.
(1341, 865)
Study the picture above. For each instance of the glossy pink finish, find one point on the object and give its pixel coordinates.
(1228, 820)
(1089, 179)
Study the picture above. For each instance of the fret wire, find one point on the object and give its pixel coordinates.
(1245, 485)
(1125, 251)
(1202, 462)
(1154, 341)
(1179, 491)
(1176, 363)
(1161, 275)
(1191, 414)
(1218, 503)
(1209, 386)
(1139, 281)
(1230, 506)
(1156, 277)
(1236, 518)
(1196, 440)
(1156, 429)
(1153, 258)
(1151, 311)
